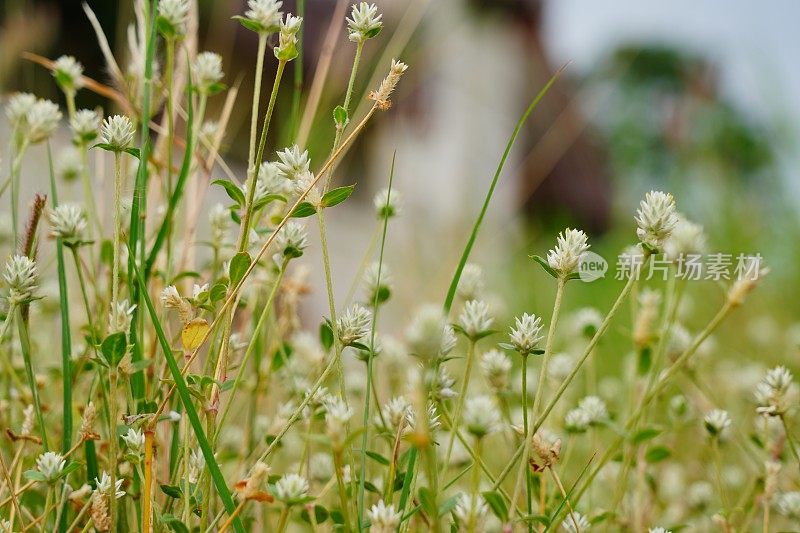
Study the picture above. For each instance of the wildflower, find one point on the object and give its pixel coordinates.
(658, 530)
(117, 132)
(647, 313)
(496, 366)
(560, 366)
(656, 218)
(547, 448)
(595, 409)
(99, 511)
(256, 481)
(305, 186)
(387, 86)
(480, 416)
(571, 244)
(384, 518)
(20, 277)
(364, 22)
(85, 124)
(86, 431)
(426, 332)
(378, 283)
(716, 422)
(174, 13)
(575, 522)
(67, 222)
(789, 505)
(264, 15)
(292, 162)
(207, 72)
(321, 467)
(292, 240)
(433, 422)
(471, 512)
(354, 325)
(119, 318)
(387, 203)
(42, 121)
(291, 489)
(219, 220)
(68, 163)
(475, 319)
(772, 392)
(526, 334)
(68, 73)
(470, 285)
(577, 421)
(197, 464)
(587, 321)
(103, 484)
(337, 415)
(271, 180)
(687, 238)
(396, 410)
(442, 386)
(134, 440)
(50, 465)
(287, 39)
(18, 107)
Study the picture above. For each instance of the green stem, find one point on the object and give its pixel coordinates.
(262, 45)
(459, 404)
(25, 346)
(283, 520)
(112, 436)
(117, 229)
(16, 165)
(528, 480)
(343, 500)
(170, 42)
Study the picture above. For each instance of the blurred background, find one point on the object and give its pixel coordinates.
(700, 98)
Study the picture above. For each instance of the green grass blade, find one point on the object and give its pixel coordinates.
(186, 399)
(451, 293)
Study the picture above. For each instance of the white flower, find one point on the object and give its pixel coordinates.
(103, 484)
(387, 86)
(789, 504)
(175, 12)
(576, 421)
(18, 107)
(716, 422)
(292, 240)
(378, 282)
(293, 163)
(42, 119)
(387, 203)
(470, 285)
(480, 416)
(197, 290)
(448, 340)
(526, 334)
(337, 415)
(475, 319)
(656, 218)
(364, 22)
(595, 409)
(67, 221)
(575, 522)
(134, 440)
(658, 530)
(68, 163)
(426, 331)
(321, 467)
(687, 238)
(271, 181)
(586, 321)
(772, 392)
(384, 518)
(287, 39)
(197, 464)
(432, 418)
(442, 386)
(471, 512)
(561, 364)
(85, 124)
(496, 365)
(50, 465)
(117, 132)
(571, 244)
(265, 13)
(305, 184)
(119, 318)
(207, 71)
(396, 412)
(68, 73)
(219, 219)
(353, 325)
(20, 276)
(307, 348)
(291, 489)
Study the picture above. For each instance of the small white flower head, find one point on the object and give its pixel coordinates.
(287, 39)
(292, 162)
(496, 366)
(175, 13)
(687, 238)
(387, 203)
(353, 325)
(257, 480)
(772, 392)
(658, 530)
(432, 418)
(42, 119)
(364, 22)
(103, 484)
(471, 511)
(699, 494)
(480, 416)
(18, 107)
(134, 440)
(717, 422)
(272, 180)
(120, 316)
(577, 421)
(321, 467)
(291, 240)
(378, 284)
(575, 522)
(20, 276)
(50, 465)
(264, 14)
(788, 505)
(448, 340)
(220, 220)
(526, 334)
(656, 218)
(571, 244)
(586, 321)
(306, 184)
(197, 465)
(171, 298)
(470, 286)
(85, 124)
(426, 332)
(395, 412)
(68, 73)
(475, 319)
(68, 163)
(291, 489)
(27, 421)
(337, 415)
(117, 132)
(387, 86)
(67, 221)
(595, 409)
(207, 72)
(384, 518)
(442, 386)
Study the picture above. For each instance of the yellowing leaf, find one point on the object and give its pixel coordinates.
(193, 334)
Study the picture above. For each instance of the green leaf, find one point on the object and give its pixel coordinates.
(218, 291)
(174, 523)
(375, 456)
(340, 116)
(428, 501)
(373, 32)
(326, 335)
(134, 152)
(114, 348)
(303, 209)
(250, 24)
(172, 491)
(234, 191)
(239, 265)
(497, 504)
(70, 468)
(545, 265)
(657, 454)
(449, 504)
(645, 434)
(104, 146)
(320, 515)
(268, 199)
(165, 27)
(337, 195)
(34, 475)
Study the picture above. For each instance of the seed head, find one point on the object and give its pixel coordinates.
(570, 246)
(387, 86)
(292, 162)
(656, 218)
(364, 22)
(68, 73)
(526, 334)
(87, 422)
(27, 421)
(197, 464)
(495, 366)
(117, 132)
(42, 120)
(20, 277)
(271, 179)
(384, 518)
(476, 319)
(175, 13)
(67, 222)
(480, 416)
(716, 422)
(291, 489)
(353, 325)
(207, 71)
(85, 124)
(265, 14)
(50, 465)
